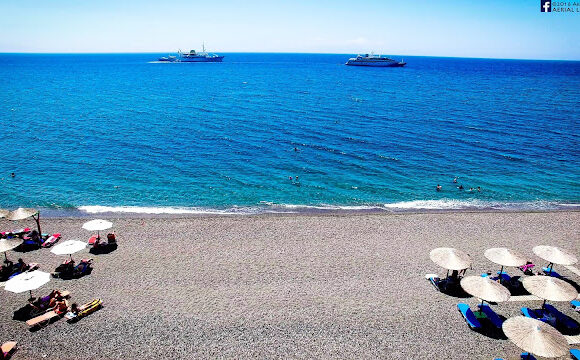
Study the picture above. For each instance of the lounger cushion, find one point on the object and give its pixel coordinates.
(469, 316)
(491, 315)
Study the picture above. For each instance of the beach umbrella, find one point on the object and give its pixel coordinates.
(535, 336)
(450, 258)
(68, 247)
(550, 288)
(9, 244)
(555, 255)
(485, 289)
(27, 281)
(97, 225)
(3, 213)
(505, 257)
(24, 213)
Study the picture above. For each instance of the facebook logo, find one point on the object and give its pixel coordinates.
(545, 6)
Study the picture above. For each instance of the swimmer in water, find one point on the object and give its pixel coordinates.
(479, 189)
(460, 187)
(438, 188)
(455, 180)
(13, 174)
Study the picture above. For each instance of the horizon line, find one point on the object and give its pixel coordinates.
(279, 52)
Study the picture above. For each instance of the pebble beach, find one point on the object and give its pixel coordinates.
(348, 286)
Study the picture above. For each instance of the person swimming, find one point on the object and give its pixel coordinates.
(438, 187)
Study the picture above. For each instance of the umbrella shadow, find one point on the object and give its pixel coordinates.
(103, 249)
(571, 282)
(515, 286)
(24, 248)
(489, 330)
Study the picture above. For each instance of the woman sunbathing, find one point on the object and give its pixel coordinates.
(60, 306)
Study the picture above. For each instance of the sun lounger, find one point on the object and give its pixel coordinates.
(43, 319)
(491, 315)
(575, 353)
(561, 318)
(547, 271)
(575, 304)
(51, 240)
(8, 348)
(93, 239)
(527, 312)
(527, 268)
(469, 316)
(84, 310)
(527, 356)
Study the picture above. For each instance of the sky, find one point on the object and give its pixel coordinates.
(459, 28)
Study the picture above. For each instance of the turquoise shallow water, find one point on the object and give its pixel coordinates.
(105, 132)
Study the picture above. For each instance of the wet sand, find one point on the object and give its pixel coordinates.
(316, 286)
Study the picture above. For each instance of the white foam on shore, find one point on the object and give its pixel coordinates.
(454, 204)
(270, 207)
(97, 209)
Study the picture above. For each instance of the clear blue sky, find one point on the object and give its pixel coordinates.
(490, 28)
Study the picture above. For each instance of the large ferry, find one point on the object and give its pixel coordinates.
(193, 56)
(374, 60)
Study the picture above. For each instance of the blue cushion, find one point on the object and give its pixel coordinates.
(469, 316)
(491, 315)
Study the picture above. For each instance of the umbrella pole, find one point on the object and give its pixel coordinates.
(37, 219)
(544, 304)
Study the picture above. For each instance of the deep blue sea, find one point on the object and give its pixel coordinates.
(117, 132)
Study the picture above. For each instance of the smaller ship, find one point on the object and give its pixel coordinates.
(168, 58)
(374, 60)
(192, 56)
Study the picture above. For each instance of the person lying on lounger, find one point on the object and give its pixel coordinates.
(60, 305)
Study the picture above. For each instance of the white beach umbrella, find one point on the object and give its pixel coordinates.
(450, 258)
(550, 288)
(535, 336)
(68, 247)
(27, 281)
(9, 244)
(97, 225)
(505, 257)
(24, 213)
(485, 289)
(555, 255)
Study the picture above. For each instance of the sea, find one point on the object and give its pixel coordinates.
(277, 133)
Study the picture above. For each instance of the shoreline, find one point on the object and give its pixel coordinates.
(311, 211)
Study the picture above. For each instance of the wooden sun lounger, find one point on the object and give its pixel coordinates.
(42, 319)
(8, 348)
(469, 316)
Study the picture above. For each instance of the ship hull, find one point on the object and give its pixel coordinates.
(375, 64)
(202, 59)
